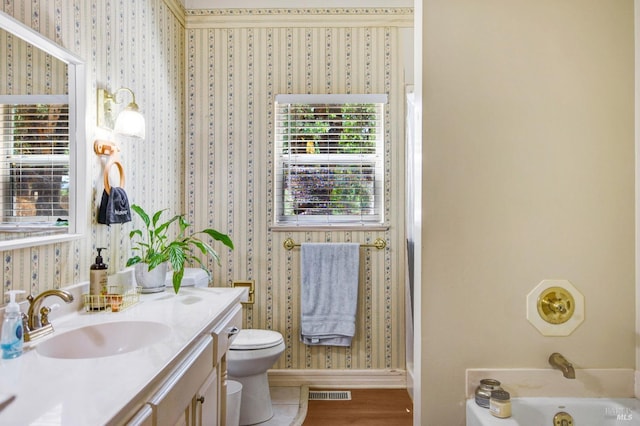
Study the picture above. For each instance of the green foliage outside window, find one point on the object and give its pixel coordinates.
(334, 173)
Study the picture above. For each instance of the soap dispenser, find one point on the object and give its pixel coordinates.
(98, 282)
(11, 340)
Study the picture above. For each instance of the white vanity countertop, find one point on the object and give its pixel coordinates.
(52, 391)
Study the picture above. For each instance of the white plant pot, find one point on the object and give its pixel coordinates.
(151, 281)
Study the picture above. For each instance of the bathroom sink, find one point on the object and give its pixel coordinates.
(101, 340)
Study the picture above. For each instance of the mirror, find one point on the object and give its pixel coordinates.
(42, 139)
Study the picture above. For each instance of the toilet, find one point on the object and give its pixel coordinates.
(251, 354)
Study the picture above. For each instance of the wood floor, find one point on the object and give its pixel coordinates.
(368, 407)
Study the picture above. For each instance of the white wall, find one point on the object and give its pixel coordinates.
(529, 174)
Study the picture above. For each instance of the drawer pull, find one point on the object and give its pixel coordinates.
(200, 400)
(233, 331)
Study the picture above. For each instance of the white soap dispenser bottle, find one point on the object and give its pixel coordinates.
(11, 340)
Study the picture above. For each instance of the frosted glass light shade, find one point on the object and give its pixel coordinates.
(130, 123)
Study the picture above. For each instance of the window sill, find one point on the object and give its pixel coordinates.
(329, 227)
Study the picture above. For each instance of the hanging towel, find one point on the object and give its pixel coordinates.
(114, 207)
(329, 293)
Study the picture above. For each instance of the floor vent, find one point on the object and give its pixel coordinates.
(329, 395)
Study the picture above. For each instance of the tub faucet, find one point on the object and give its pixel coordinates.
(558, 361)
(36, 322)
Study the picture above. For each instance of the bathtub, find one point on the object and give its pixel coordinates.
(532, 411)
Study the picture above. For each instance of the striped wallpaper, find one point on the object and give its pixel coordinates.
(205, 81)
(27, 70)
(237, 61)
(138, 44)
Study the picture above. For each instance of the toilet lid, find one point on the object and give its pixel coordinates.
(256, 339)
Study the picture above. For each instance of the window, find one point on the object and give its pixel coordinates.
(329, 159)
(34, 166)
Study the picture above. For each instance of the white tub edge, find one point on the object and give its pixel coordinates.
(595, 383)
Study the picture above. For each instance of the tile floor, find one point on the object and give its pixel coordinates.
(289, 406)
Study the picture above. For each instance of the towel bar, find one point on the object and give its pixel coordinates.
(379, 243)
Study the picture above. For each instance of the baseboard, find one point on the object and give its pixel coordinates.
(410, 383)
(364, 379)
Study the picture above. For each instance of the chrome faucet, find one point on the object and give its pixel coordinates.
(558, 361)
(36, 322)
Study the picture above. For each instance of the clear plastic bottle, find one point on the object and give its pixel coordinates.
(11, 341)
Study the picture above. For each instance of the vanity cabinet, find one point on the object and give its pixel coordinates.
(206, 410)
(193, 393)
(178, 378)
(171, 403)
(210, 404)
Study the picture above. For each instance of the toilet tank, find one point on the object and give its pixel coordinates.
(193, 277)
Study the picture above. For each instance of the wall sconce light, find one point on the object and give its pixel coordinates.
(130, 121)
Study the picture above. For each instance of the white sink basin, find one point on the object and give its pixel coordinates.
(100, 340)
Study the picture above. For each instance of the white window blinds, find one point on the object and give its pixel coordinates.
(34, 162)
(329, 159)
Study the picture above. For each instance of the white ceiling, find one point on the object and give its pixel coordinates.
(294, 4)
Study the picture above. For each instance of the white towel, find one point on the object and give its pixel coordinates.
(329, 293)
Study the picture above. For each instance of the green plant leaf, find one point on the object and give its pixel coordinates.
(176, 255)
(198, 261)
(156, 217)
(143, 215)
(177, 279)
(204, 247)
(154, 259)
(183, 225)
(215, 256)
(154, 246)
(163, 227)
(219, 236)
(133, 260)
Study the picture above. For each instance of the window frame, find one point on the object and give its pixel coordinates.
(14, 162)
(79, 191)
(374, 161)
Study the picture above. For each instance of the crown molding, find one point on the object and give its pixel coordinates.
(302, 17)
(177, 8)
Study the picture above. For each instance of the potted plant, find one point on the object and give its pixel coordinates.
(155, 250)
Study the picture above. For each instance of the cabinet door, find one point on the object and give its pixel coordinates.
(172, 403)
(184, 419)
(206, 410)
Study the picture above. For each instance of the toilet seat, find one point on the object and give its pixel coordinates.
(250, 339)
